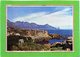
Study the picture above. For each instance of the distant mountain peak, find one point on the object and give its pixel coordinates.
(47, 25)
(27, 25)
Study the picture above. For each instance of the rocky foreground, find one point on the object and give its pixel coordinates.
(35, 40)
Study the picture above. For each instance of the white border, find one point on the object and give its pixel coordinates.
(41, 6)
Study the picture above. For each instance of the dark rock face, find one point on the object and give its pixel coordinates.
(65, 46)
(14, 40)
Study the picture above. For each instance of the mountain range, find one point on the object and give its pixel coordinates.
(27, 25)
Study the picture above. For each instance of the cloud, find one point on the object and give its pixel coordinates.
(29, 17)
(63, 12)
(56, 19)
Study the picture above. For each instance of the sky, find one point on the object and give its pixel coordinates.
(56, 16)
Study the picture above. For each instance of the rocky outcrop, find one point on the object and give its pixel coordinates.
(55, 36)
(28, 33)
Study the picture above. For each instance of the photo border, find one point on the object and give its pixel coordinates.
(41, 54)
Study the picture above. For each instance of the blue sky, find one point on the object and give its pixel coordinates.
(57, 16)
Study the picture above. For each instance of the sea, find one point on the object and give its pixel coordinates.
(64, 33)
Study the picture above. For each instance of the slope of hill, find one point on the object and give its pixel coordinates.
(26, 25)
